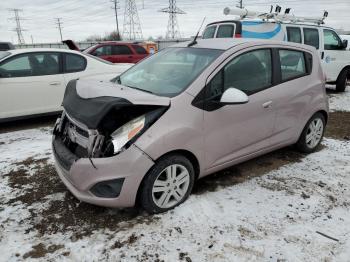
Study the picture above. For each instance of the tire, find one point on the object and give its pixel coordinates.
(342, 80)
(304, 143)
(176, 193)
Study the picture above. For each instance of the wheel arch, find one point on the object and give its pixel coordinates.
(189, 155)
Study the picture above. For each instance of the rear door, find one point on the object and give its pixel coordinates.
(31, 83)
(123, 54)
(140, 52)
(292, 94)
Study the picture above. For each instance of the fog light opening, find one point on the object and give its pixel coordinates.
(108, 189)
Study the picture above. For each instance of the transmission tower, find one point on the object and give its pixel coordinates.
(132, 26)
(115, 7)
(18, 28)
(240, 4)
(59, 26)
(173, 30)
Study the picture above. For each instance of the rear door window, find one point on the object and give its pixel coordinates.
(294, 34)
(74, 63)
(121, 50)
(292, 64)
(225, 31)
(311, 37)
(209, 32)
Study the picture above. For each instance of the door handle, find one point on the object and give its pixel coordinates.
(322, 55)
(267, 104)
(55, 83)
(130, 56)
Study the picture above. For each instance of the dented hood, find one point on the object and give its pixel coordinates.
(89, 101)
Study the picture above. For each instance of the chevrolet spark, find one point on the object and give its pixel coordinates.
(184, 113)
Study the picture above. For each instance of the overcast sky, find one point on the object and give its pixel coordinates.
(83, 18)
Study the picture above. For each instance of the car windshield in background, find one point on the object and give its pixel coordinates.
(3, 54)
(169, 72)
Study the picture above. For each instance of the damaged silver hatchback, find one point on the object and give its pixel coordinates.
(184, 113)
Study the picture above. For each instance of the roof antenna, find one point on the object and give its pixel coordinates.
(194, 42)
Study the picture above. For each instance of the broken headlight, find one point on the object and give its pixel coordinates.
(125, 133)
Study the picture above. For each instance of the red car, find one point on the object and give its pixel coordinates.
(115, 52)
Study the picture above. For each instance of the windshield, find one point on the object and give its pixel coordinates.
(3, 54)
(170, 71)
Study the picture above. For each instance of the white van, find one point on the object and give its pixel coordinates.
(332, 49)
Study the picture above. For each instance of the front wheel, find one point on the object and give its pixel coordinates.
(343, 80)
(168, 184)
(312, 134)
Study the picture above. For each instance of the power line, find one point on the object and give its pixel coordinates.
(132, 26)
(59, 26)
(173, 30)
(115, 7)
(18, 28)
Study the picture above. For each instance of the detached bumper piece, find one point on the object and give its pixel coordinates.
(62, 154)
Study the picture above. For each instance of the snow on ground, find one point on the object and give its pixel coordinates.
(339, 101)
(269, 209)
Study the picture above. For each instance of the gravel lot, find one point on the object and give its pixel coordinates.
(284, 206)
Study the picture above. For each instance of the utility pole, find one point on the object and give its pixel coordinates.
(132, 26)
(18, 28)
(115, 7)
(31, 36)
(59, 26)
(173, 30)
(240, 4)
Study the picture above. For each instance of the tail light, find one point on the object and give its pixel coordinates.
(238, 36)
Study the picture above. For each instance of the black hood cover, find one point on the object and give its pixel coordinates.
(90, 111)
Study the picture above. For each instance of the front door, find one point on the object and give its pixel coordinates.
(31, 83)
(234, 131)
(334, 56)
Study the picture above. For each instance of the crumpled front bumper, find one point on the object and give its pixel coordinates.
(80, 175)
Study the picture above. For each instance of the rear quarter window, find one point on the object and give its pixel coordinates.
(139, 49)
(74, 63)
(225, 31)
(209, 32)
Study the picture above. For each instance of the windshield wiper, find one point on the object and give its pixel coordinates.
(134, 87)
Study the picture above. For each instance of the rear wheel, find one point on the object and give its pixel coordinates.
(343, 80)
(168, 184)
(312, 134)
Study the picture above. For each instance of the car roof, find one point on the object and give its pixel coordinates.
(228, 43)
(32, 50)
(272, 22)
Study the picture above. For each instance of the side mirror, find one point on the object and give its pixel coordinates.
(345, 44)
(234, 96)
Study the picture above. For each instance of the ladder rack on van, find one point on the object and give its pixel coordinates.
(277, 16)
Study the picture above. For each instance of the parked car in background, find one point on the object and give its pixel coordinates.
(284, 27)
(114, 52)
(4, 46)
(184, 113)
(32, 81)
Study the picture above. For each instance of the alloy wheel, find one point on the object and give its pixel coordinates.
(171, 186)
(314, 133)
